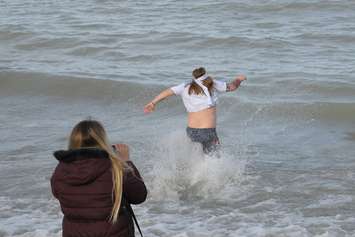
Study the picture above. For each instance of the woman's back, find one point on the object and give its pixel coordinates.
(95, 185)
(82, 182)
(197, 102)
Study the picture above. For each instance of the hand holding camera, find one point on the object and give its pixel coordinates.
(122, 150)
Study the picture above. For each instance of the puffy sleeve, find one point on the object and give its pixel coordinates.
(178, 89)
(53, 183)
(134, 189)
(220, 86)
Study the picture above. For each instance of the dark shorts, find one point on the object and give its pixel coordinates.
(206, 136)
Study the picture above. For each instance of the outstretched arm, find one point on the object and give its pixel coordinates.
(151, 105)
(232, 86)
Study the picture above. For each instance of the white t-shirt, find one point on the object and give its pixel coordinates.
(195, 103)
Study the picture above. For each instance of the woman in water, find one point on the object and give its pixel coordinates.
(96, 185)
(199, 97)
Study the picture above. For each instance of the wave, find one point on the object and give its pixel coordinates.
(234, 41)
(336, 38)
(93, 50)
(295, 99)
(24, 83)
(50, 43)
(294, 89)
(288, 111)
(286, 6)
(15, 33)
(321, 90)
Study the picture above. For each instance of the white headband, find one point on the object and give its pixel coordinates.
(201, 78)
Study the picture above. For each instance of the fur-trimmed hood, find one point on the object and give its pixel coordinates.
(83, 165)
(82, 153)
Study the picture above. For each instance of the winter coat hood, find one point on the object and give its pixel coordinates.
(81, 166)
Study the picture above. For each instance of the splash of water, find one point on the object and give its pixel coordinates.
(182, 172)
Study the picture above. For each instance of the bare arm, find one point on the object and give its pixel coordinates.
(151, 105)
(232, 86)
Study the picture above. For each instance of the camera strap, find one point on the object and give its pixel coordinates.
(130, 211)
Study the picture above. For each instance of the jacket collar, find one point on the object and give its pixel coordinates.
(80, 154)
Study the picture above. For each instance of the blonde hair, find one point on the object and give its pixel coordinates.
(90, 133)
(194, 87)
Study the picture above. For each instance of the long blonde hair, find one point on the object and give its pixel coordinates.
(91, 134)
(194, 87)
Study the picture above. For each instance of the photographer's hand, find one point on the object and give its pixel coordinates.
(122, 151)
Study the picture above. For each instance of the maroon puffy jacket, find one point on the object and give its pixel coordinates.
(82, 182)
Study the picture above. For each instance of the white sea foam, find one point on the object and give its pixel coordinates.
(30, 218)
(182, 171)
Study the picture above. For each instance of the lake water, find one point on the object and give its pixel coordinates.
(288, 133)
